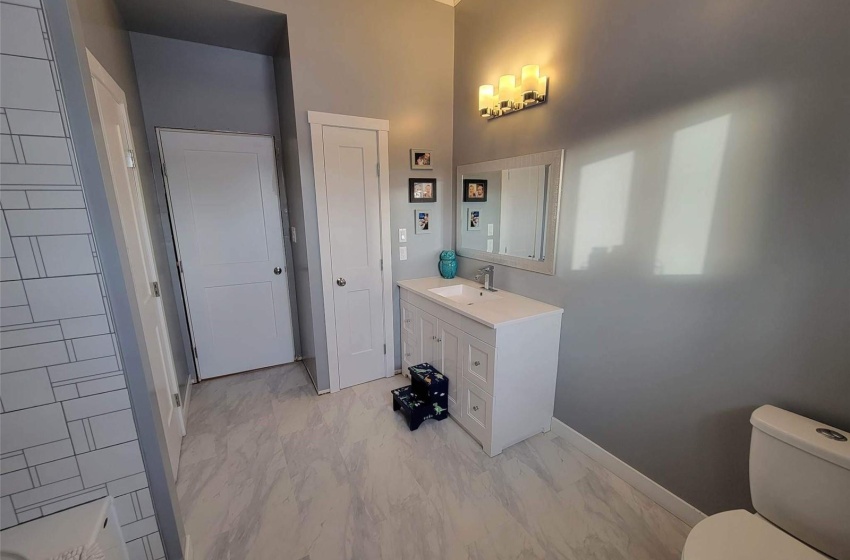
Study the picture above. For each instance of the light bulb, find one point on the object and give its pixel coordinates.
(485, 99)
(507, 83)
(530, 77)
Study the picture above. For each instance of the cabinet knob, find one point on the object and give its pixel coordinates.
(477, 363)
(407, 355)
(439, 340)
(475, 407)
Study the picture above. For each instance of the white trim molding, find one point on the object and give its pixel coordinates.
(660, 495)
(347, 121)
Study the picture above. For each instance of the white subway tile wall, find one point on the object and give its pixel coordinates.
(67, 434)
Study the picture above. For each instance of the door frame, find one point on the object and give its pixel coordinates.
(287, 249)
(317, 122)
(99, 73)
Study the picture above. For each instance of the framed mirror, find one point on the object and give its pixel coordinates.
(507, 210)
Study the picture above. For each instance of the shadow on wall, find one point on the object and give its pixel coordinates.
(684, 203)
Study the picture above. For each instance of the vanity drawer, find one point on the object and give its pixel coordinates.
(478, 362)
(477, 415)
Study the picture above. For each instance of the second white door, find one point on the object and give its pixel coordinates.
(115, 125)
(226, 214)
(354, 227)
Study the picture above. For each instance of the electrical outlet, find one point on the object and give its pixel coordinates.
(489, 245)
(402, 253)
(292, 234)
(402, 235)
(489, 229)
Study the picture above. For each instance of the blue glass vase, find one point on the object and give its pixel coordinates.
(448, 264)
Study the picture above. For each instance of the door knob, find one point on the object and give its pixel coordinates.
(340, 282)
(277, 270)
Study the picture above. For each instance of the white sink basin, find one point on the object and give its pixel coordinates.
(464, 294)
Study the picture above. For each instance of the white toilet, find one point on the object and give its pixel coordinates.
(800, 486)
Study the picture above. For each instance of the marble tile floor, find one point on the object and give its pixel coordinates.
(270, 470)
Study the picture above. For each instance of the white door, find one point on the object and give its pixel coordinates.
(225, 210)
(354, 227)
(523, 201)
(112, 109)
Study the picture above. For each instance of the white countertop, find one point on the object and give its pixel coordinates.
(511, 308)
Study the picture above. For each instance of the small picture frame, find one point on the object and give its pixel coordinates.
(422, 190)
(473, 219)
(420, 159)
(423, 221)
(475, 190)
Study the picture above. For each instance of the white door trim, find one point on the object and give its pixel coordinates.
(317, 122)
(100, 73)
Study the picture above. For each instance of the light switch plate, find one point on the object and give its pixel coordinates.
(489, 229)
(292, 234)
(402, 235)
(402, 253)
(489, 245)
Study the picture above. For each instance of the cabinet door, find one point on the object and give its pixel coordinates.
(408, 318)
(427, 337)
(450, 342)
(479, 362)
(409, 351)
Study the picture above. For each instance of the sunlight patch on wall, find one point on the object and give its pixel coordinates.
(692, 180)
(603, 204)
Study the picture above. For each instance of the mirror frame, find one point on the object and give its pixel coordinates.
(555, 160)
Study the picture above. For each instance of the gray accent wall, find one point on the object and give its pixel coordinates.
(663, 369)
(194, 86)
(369, 58)
(306, 281)
(69, 429)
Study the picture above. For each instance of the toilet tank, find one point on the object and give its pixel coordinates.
(800, 478)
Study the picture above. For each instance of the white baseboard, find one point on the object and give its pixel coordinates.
(188, 552)
(660, 495)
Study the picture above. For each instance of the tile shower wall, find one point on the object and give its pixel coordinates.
(67, 433)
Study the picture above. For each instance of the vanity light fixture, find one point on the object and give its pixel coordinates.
(510, 98)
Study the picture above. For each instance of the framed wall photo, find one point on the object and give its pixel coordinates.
(423, 221)
(422, 190)
(473, 219)
(420, 159)
(475, 190)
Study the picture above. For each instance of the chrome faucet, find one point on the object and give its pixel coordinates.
(487, 273)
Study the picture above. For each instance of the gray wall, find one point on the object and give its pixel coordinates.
(663, 371)
(78, 420)
(340, 63)
(202, 87)
(304, 291)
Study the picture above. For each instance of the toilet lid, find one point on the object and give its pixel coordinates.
(740, 535)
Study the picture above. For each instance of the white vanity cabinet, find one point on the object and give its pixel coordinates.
(501, 358)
